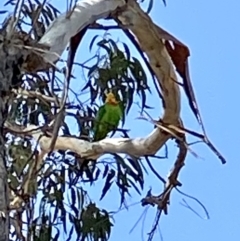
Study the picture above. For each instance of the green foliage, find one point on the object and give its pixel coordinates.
(117, 71)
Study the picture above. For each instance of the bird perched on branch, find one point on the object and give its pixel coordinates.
(107, 118)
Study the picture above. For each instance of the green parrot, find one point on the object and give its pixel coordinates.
(107, 118)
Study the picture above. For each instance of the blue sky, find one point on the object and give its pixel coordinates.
(210, 29)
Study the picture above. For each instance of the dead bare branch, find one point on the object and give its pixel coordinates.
(37, 95)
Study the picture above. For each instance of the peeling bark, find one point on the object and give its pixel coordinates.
(69, 24)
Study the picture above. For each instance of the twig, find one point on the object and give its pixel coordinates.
(163, 200)
(185, 204)
(60, 115)
(15, 18)
(156, 222)
(173, 176)
(35, 94)
(196, 200)
(141, 216)
(154, 171)
(19, 130)
(34, 17)
(171, 129)
(205, 139)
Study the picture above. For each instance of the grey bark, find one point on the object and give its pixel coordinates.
(4, 200)
(10, 58)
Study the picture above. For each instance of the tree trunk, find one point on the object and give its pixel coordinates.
(10, 60)
(4, 200)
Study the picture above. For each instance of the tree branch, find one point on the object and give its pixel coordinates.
(135, 147)
(67, 25)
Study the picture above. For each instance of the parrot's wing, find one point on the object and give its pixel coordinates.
(121, 110)
(115, 115)
(118, 114)
(99, 116)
